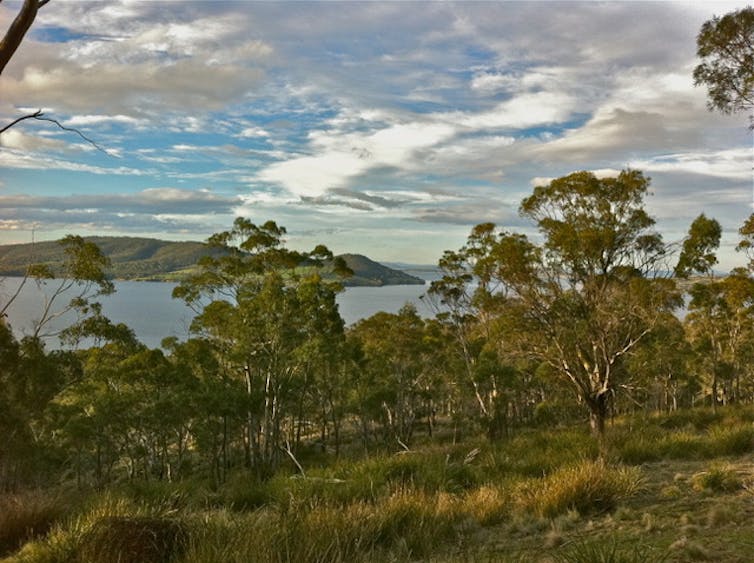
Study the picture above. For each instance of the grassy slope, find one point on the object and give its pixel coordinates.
(676, 488)
(157, 260)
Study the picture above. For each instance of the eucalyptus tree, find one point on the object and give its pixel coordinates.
(698, 253)
(725, 46)
(69, 286)
(584, 297)
(396, 377)
(262, 305)
(469, 300)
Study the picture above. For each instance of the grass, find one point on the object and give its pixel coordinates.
(588, 487)
(673, 489)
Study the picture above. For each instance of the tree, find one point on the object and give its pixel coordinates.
(395, 377)
(585, 297)
(726, 47)
(80, 277)
(720, 326)
(468, 302)
(746, 243)
(699, 247)
(262, 306)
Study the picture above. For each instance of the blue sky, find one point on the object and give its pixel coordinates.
(386, 128)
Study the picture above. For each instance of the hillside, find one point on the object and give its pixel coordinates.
(158, 260)
(367, 272)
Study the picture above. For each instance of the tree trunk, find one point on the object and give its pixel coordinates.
(597, 405)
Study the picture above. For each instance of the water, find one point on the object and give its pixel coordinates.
(149, 309)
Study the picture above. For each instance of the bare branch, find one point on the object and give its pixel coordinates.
(40, 116)
(34, 115)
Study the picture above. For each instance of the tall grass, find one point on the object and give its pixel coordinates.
(586, 487)
(26, 516)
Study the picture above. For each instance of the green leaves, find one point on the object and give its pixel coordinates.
(698, 252)
(593, 226)
(726, 47)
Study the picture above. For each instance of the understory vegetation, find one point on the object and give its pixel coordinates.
(683, 499)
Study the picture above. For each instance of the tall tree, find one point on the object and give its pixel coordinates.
(698, 253)
(261, 309)
(725, 46)
(584, 298)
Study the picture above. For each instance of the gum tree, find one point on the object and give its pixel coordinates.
(585, 296)
(263, 307)
(725, 46)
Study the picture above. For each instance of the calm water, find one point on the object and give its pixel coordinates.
(149, 309)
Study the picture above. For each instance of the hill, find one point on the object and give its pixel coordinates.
(367, 272)
(136, 258)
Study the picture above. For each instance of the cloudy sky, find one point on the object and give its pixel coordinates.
(386, 128)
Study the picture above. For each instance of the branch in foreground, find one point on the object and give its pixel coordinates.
(40, 116)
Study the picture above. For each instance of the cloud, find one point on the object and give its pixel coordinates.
(340, 157)
(733, 164)
(152, 201)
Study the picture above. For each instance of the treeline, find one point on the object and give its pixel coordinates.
(576, 322)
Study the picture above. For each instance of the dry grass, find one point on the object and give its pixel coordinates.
(26, 516)
(588, 487)
(136, 539)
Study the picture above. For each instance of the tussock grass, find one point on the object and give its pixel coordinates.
(582, 551)
(77, 539)
(26, 516)
(132, 539)
(542, 494)
(405, 525)
(717, 479)
(587, 487)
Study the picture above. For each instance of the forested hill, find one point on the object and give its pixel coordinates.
(158, 260)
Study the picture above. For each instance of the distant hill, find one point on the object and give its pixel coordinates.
(367, 272)
(158, 260)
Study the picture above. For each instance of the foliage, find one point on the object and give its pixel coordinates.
(698, 252)
(584, 299)
(725, 46)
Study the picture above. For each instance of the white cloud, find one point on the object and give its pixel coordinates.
(251, 132)
(733, 164)
(339, 157)
(81, 120)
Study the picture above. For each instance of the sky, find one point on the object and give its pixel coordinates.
(382, 128)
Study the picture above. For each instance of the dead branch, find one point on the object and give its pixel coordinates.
(40, 116)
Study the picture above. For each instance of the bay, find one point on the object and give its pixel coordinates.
(150, 311)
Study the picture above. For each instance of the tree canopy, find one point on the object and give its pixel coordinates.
(725, 46)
